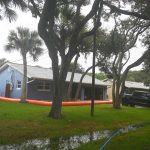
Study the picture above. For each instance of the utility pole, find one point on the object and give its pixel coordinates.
(93, 72)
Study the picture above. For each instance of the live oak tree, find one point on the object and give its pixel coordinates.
(146, 71)
(63, 38)
(24, 41)
(123, 38)
(138, 9)
(146, 65)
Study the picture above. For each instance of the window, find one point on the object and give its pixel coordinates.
(43, 85)
(18, 84)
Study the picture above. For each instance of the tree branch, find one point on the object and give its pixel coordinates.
(46, 27)
(83, 75)
(118, 10)
(81, 24)
(133, 40)
(96, 26)
(47, 17)
(127, 59)
(137, 62)
(35, 7)
(113, 65)
(78, 9)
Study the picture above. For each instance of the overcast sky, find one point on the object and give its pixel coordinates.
(26, 20)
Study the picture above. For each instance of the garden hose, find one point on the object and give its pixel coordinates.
(111, 136)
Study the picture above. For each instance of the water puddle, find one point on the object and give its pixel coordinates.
(65, 143)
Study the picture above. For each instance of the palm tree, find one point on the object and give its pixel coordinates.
(2, 61)
(25, 42)
(7, 11)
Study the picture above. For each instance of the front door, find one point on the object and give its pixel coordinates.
(7, 90)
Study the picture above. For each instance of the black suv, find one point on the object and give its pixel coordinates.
(139, 98)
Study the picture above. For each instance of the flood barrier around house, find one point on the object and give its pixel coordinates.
(68, 143)
(64, 103)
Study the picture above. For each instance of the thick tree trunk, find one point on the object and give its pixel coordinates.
(117, 67)
(116, 91)
(117, 102)
(59, 80)
(113, 93)
(69, 91)
(118, 88)
(24, 84)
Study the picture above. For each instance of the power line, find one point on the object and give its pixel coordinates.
(28, 57)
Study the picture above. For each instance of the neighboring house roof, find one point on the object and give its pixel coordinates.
(130, 84)
(136, 85)
(46, 73)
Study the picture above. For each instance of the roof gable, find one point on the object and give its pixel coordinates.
(46, 73)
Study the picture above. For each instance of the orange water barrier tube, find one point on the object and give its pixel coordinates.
(9, 99)
(45, 103)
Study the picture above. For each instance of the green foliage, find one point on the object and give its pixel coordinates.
(66, 20)
(24, 41)
(136, 76)
(103, 43)
(63, 27)
(146, 64)
(141, 7)
(139, 76)
(79, 68)
(7, 11)
(100, 76)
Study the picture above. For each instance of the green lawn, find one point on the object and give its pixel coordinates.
(19, 122)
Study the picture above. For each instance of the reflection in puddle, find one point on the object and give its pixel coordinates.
(64, 143)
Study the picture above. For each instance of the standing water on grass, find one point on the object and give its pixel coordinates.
(64, 143)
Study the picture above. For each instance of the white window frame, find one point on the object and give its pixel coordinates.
(19, 84)
(44, 84)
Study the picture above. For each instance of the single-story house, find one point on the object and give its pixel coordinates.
(39, 84)
(129, 87)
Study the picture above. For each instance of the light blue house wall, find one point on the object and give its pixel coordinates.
(10, 75)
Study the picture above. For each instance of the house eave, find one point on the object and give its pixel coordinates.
(35, 78)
